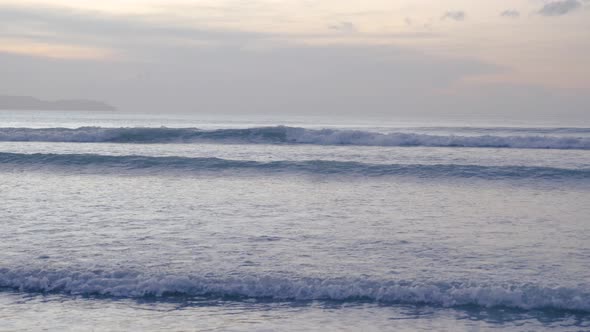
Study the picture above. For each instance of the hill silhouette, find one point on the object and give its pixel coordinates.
(32, 103)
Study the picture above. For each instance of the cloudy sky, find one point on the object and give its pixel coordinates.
(523, 58)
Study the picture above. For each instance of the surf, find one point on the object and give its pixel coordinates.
(95, 163)
(134, 284)
(517, 138)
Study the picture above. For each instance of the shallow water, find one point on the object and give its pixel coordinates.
(21, 312)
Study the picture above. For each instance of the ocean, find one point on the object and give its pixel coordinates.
(115, 221)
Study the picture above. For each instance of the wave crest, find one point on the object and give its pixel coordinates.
(137, 164)
(288, 135)
(447, 294)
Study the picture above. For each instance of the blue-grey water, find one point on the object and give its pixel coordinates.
(116, 222)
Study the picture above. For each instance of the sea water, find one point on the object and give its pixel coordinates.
(116, 222)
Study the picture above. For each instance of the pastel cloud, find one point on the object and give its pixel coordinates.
(559, 8)
(510, 13)
(457, 15)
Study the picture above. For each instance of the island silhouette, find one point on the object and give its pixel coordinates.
(35, 104)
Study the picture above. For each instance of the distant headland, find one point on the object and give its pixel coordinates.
(22, 103)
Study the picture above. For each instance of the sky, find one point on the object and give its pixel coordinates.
(502, 58)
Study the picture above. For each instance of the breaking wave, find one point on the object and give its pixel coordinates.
(293, 135)
(117, 164)
(443, 293)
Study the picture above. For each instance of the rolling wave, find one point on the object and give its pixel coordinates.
(116, 164)
(294, 135)
(448, 294)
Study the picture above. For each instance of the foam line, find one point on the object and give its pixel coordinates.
(293, 135)
(441, 293)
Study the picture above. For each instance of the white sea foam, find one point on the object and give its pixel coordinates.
(533, 139)
(443, 293)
